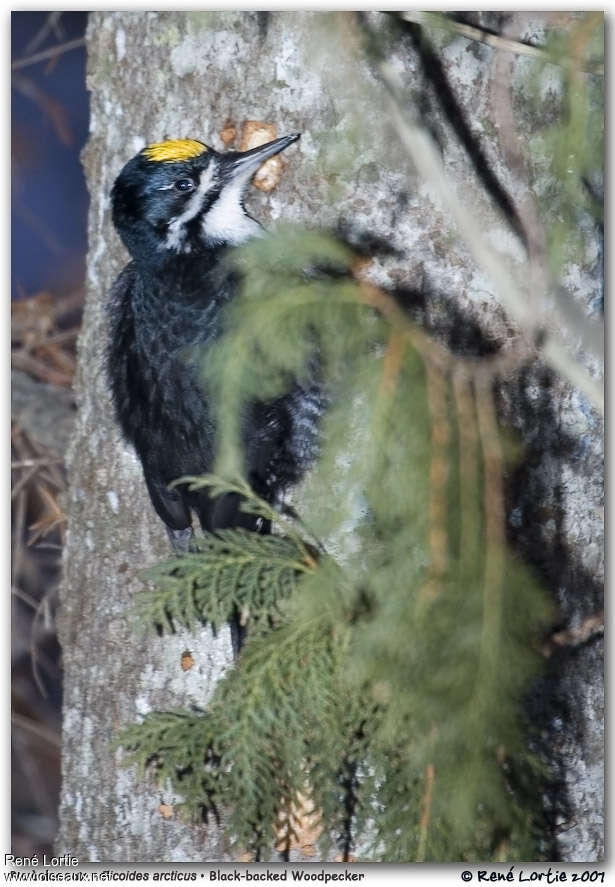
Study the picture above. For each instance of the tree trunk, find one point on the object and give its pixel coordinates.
(156, 75)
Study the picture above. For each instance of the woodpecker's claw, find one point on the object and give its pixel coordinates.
(181, 539)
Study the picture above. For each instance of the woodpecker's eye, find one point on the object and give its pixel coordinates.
(184, 185)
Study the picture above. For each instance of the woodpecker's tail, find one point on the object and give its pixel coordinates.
(223, 513)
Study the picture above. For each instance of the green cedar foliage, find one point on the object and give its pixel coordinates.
(382, 679)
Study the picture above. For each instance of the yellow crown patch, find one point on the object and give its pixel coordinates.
(174, 150)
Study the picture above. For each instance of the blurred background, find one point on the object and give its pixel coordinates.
(49, 107)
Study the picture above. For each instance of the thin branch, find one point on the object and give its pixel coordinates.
(55, 476)
(23, 481)
(41, 610)
(56, 339)
(423, 154)
(32, 463)
(591, 627)
(494, 557)
(51, 23)
(21, 360)
(584, 331)
(48, 53)
(503, 362)
(17, 537)
(494, 541)
(430, 775)
(34, 222)
(25, 597)
(36, 729)
(391, 363)
(470, 32)
(50, 107)
(438, 478)
(469, 480)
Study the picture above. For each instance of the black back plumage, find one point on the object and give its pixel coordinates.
(165, 310)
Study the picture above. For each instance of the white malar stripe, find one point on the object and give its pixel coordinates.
(226, 221)
(176, 232)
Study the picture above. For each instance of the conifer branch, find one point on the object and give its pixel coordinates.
(430, 775)
(495, 534)
(253, 504)
(231, 570)
(326, 643)
(391, 363)
(438, 478)
(469, 485)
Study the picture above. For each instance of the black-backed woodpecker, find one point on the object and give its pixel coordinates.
(178, 208)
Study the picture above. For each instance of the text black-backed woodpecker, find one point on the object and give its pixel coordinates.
(178, 207)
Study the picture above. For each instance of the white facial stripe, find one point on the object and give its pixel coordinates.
(177, 227)
(226, 221)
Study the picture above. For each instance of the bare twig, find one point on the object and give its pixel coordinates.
(505, 361)
(48, 53)
(470, 32)
(53, 109)
(51, 519)
(57, 338)
(51, 23)
(515, 300)
(56, 477)
(593, 626)
(34, 367)
(62, 360)
(36, 224)
(31, 463)
(588, 332)
(17, 536)
(36, 729)
(25, 597)
(23, 481)
(41, 609)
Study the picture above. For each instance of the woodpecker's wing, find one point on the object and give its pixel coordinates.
(121, 346)
(130, 400)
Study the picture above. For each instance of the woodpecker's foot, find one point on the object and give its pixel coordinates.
(181, 540)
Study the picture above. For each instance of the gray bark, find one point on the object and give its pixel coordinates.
(156, 75)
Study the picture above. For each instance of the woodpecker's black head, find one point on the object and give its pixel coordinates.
(180, 196)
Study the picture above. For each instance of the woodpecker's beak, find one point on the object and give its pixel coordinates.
(247, 162)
